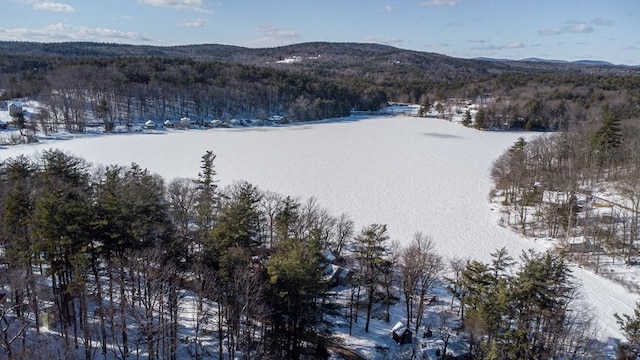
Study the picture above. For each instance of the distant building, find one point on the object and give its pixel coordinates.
(401, 334)
(150, 124)
(337, 275)
(15, 107)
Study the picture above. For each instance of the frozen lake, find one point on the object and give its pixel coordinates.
(413, 174)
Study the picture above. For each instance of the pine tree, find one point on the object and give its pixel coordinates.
(466, 121)
(480, 121)
(297, 288)
(630, 326)
(371, 252)
(608, 139)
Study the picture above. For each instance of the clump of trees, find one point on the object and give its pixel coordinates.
(528, 311)
(546, 184)
(116, 252)
(108, 256)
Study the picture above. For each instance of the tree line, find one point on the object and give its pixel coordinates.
(78, 92)
(81, 91)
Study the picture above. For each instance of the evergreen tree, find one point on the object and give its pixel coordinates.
(609, 135)
(297, 290)
(608, 139)
(630, 326)
(371, 252)
(466, 120)
(481, 120)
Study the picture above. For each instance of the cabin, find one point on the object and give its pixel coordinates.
(337, 275)
(215, 123)
(169, 124)
(579, 245)
(185, 122)
(150, 124)
(401, 334)
(15, 108)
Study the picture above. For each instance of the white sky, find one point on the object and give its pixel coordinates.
(552, 29)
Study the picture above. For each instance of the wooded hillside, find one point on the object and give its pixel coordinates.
(136, 83)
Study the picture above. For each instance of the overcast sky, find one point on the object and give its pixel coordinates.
(514, 29)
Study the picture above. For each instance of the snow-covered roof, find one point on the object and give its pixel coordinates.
(328, 255)
(399, 325)
(17, 103)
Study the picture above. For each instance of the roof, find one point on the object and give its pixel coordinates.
(17, 103)
(397, 326)
(328, 255)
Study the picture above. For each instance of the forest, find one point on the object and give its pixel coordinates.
(85, 84)
(111, 258)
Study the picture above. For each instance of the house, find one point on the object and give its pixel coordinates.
(276, 119)
(401, 334)
(579, 245)
(337, 275)
(216, 123)
(169, 124)
(185, 122)
(15, 108)
(150, 124)
(328, 255)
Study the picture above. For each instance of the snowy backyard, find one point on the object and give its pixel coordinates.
(413, 174)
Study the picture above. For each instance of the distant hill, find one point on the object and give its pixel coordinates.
(333, 58)
(308, 81)
(596, 63)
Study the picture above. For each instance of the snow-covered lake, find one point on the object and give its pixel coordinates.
(413, 174)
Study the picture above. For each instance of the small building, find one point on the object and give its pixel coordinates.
(236, 123)
(169, 124)
(579, 245)
(150, 124)
(328, 255)
(215, 123)
(401, 334)
(185, 122)
(337, 275)
(15, 108)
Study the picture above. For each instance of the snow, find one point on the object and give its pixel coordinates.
(413, 174)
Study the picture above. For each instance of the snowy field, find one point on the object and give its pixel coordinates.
(413, 174)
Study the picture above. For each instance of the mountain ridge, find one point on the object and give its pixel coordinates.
(319, 55)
